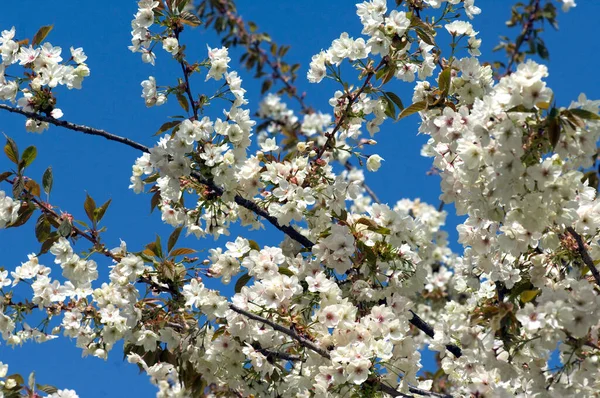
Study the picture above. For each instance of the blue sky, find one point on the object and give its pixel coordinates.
(110, 100)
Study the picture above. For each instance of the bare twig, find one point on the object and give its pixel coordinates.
(420, 324)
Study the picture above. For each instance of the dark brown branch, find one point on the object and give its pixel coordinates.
(246, 203)
(77, 127)
(186, 75)
(304, 342)
(420, 324)
(46, 209)
(585, 255)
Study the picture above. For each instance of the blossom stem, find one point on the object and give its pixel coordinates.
(527, 29)
(351, 100)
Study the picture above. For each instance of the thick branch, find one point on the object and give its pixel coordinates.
(585, 255)
(420, 324)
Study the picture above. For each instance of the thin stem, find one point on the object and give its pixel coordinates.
(351, 100)
(527, 28)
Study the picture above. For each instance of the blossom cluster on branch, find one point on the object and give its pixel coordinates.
(355, 291)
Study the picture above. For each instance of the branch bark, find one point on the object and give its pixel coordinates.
(584, 254)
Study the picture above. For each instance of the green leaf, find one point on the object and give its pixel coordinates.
(29, 155)
(254, 245)
(528, 295)
(100, 211)
(158, 247)
(241, 282)
(65, 228)
(414, 108)
(582, 113)
(520, 108)
(41, 35)
(89, 206)
(285, 271)
(47, 180)
(42, 228)
(395, 99)
(183, 102)
(444, 81)
(48, 389)
(425, 36)
(166, 126)
(542, 50)
(11, 150)
(173, 238)
(390, 110)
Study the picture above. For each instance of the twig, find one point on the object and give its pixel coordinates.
(351, 100)
(527, 27)
(585, 255)
(77, 127)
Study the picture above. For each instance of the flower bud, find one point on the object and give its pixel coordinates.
(374, 162)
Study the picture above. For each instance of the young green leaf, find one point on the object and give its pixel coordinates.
(89, 206)
(29, 155)
(173, 238)
(241, 282)
(11, 150)
(47, 180)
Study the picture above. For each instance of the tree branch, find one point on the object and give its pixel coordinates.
(351, 100)
(246, 203)
(420, 324)
(585, 255)
(304, 342)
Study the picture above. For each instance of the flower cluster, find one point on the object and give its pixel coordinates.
(45, 71)
(328, 311)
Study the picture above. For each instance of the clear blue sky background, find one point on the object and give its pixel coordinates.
(110, 100)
